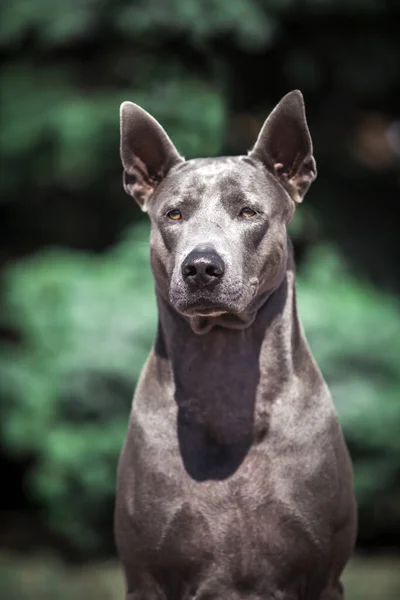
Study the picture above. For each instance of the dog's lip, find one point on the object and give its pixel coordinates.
(203, 308)
(205, 312)
(205, 304)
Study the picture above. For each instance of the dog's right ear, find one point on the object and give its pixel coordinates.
(147, 153)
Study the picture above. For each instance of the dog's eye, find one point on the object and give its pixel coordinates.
(247, 212)
(175, 215)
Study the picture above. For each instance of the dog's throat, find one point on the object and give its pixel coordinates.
(203, 324)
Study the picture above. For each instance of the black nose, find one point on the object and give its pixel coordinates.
(202, 267)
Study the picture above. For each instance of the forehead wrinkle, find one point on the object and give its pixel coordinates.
(209, 193)
(198, 188)
(195, 185)
(231, 191)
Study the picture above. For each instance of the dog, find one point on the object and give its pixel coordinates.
(234, 481)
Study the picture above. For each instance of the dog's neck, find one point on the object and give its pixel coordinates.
(219, 377)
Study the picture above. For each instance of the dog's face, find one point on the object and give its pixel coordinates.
(218, 235)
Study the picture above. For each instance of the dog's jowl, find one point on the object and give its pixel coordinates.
(234, 482)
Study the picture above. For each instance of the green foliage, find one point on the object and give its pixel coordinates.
(70, 20)
(354, 332)
(87, 323)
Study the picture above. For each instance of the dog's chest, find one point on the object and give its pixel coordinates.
(239, 523)
(248, 507)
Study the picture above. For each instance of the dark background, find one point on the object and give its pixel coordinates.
(76, 295)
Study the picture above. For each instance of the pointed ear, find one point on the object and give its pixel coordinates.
(147, 153)
(284, 145)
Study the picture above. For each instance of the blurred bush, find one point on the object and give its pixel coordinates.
(354, 332)
(87, 323)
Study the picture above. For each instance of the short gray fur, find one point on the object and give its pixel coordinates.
(234, 481)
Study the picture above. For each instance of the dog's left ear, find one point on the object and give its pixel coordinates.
(284, 145)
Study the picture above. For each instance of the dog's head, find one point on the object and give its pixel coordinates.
(218, 235)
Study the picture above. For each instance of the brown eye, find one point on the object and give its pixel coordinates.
(175, 215)
(247, 212)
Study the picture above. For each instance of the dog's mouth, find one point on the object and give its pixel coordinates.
(203, 308)
(208, 304)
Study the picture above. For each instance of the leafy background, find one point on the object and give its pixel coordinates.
(77, 304)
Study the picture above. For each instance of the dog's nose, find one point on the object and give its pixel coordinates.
(202, 267)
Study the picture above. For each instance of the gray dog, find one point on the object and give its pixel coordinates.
(234, 482)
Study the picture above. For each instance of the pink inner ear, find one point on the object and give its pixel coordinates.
(139, 183)
(297, 184)
(139, 169)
